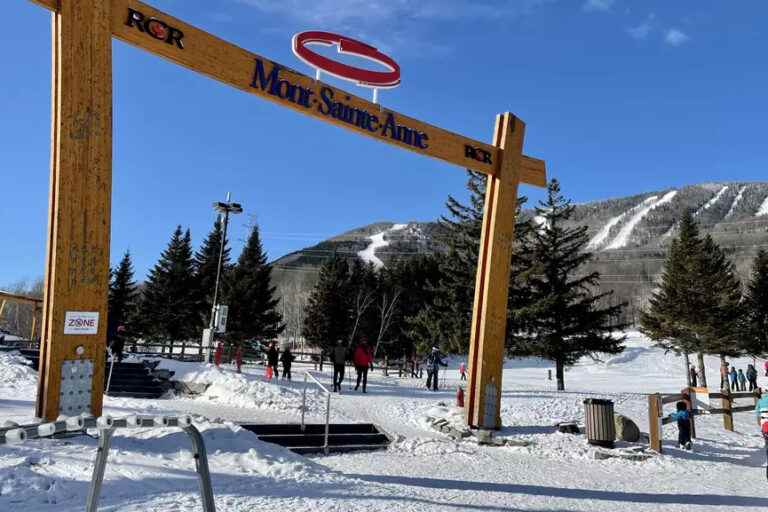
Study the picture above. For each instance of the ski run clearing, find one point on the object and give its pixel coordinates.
(736, 201)
(368, 254)
(763, 210)
(623, 237)
(423, 470)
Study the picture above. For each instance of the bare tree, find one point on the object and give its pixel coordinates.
(386, 306)
(363, 301)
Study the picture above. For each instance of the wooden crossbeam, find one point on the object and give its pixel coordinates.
(24, 299)
(218, 59)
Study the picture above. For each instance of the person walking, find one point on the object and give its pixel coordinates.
(761, 410)
(694, 376)
(433, 364)
(287, 359)
(752, 377)
(742, 380)
(362, 358)
(463, 371)
(765, 365)
(272, 359)
(339, 359)
(734, 379)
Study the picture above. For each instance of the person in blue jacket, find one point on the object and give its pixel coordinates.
(433, 363)
(683, 418)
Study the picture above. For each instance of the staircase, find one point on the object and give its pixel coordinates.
(341, 437)
(130, 380)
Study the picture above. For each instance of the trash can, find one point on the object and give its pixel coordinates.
(598, 422)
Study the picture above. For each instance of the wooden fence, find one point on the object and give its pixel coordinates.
(696, 406)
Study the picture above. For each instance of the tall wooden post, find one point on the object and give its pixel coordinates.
(654, 421)
(727, 412)
(77, 261)
(489, 316)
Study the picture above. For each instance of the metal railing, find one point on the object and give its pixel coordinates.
(106, 425)
(307, 377)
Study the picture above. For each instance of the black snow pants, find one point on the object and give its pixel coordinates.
(338, 376)
(362, 373)
(432, 376)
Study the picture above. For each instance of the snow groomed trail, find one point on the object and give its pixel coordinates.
(422, 471)
(377, 242)
(623, 236)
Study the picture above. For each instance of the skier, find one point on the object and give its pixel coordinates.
(752, 377)
(734, 379)
(761, 410)
(433, 364)
(287, 358)
(363, 358)
(272, 358)
(694, 376)
(765, 365)
(339, 359)
(742, 380)
(683, 418)
(463, 370)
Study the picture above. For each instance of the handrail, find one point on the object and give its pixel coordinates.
(307, 376)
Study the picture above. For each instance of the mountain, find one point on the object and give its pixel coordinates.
(628, 237)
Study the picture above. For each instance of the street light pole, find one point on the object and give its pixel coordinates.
(225, 208)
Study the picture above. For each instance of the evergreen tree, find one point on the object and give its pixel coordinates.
(756, 305)
(251, 298)
(206, 266)
(446, 320)
(563, 319)
(169, 305)
(123, 296)
(674, 317)
(328, 308)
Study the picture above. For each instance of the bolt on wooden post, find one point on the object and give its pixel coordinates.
(77, 259)
(489, 315)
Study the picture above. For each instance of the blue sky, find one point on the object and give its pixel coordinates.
(619, 97)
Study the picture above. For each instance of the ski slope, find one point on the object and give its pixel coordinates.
(623, 236)
(736, 201)
(368, 254)
(423, 470)
(763, 210)
(599, 239)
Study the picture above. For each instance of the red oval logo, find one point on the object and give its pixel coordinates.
(349, 46)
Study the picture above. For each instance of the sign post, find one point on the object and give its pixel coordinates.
(77, 266)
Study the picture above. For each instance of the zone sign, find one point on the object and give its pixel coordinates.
(156, 28)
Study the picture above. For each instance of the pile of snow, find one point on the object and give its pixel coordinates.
(225, 387)
(16, 376)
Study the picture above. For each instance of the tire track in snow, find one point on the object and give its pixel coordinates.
(368, 254)
(602, 235)
(622, 238)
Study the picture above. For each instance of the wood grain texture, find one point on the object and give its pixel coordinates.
(77, 262)
(230, 64)
(489, 315)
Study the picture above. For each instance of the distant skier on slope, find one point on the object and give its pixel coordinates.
(433, 364)
(683, 418)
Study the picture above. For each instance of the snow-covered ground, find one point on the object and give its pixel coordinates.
(422, 471)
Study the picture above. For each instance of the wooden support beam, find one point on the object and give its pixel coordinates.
(77, 261)
(655, 421)
(489, 315)
(223, 61)
(727, 411)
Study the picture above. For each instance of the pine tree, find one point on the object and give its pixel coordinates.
(251, 299)
(756, 306)
(206, 267)
(563, 319)
(328, 314)
(446, 320)
(673, 319)
(169, 306)
(123, 296)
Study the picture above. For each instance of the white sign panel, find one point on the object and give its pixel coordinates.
(81, 322)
